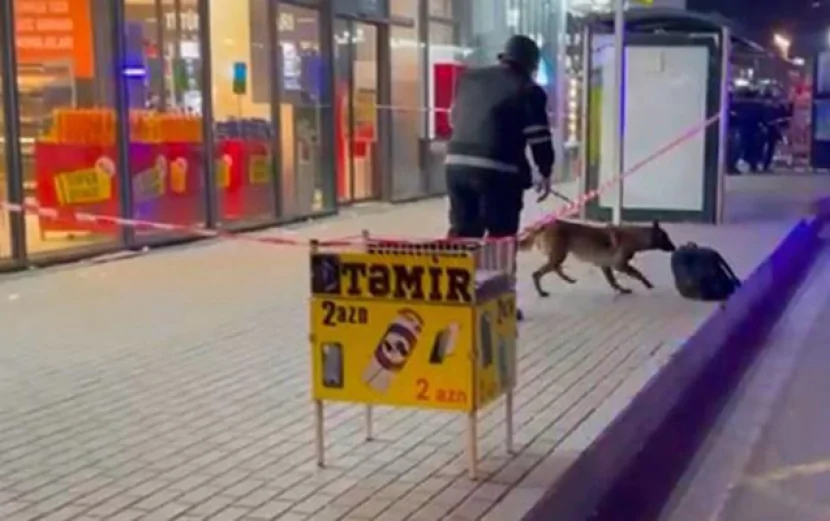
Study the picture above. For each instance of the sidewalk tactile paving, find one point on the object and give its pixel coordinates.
(175, 386)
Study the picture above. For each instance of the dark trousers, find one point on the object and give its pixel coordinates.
(483, 202)
(734, 151)
(773, 138)
(753, 146)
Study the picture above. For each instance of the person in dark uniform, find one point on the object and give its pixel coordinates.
(752, 129)
(498, 112)
(734, 149)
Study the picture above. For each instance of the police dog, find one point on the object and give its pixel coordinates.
(610, 248)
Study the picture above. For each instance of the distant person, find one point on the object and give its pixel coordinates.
(498, 112)
(735, 149)
(776, 119)
(749, 114)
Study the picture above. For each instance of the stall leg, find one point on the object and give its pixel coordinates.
(366, 236)
(369, 433)
(508, 420)
(318, 431)
(472, 445)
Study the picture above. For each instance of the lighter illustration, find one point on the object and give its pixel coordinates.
(444, 344)
(394, 350)
(333, 366)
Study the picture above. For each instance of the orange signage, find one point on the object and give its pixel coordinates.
(55, 31)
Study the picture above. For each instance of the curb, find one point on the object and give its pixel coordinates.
(630, 470)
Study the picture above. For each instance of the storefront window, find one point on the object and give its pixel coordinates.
(363, 7)
(356, 117)
(489, 25)
(163, 79)
(446, 60)
(5, 229)
(301, 110)
(446, 63)
(244, 132)
(404, 9)
(407, 113)
(67, 121)
(441, 8)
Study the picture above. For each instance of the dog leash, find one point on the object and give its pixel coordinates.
(558, 195)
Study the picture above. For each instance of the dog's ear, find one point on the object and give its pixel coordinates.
(655, 224)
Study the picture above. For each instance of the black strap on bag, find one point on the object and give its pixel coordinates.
(703, 274)
(729, 271)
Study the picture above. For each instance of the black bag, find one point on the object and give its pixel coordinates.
(702, 274)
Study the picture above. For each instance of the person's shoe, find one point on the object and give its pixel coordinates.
(520, 316)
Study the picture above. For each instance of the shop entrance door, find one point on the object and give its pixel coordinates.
(356, 94)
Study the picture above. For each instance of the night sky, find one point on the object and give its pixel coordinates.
(805, 21)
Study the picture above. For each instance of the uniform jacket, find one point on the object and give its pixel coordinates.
(496, 114)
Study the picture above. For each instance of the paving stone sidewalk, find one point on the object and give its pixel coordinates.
(174, 386)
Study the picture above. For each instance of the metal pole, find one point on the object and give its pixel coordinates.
(618, 101)
(508, 419)
(319, 407)
(326, 127)
(213, 217)
(178, 96)
(585, 113)
(122, 111)
(161, 52)
(423, 49)
(11, 128)
(472, 445)
(365, 234)
(275, 67)
(348, 135)
(723, 123)
(561, 90)
(384, 116)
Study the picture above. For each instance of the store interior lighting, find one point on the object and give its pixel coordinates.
(590, 6)
(345, 37)
(513, 18)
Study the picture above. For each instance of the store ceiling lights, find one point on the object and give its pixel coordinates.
(590, 6)
(513, 18)
(345, 37)
(401, 43)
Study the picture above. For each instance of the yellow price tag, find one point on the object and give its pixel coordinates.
(259, 172)
(87, 186)
(149, 184)
(178, 176)
(223, 172)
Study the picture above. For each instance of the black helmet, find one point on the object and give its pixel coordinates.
(523, 52)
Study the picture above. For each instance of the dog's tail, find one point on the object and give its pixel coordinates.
(527, 240)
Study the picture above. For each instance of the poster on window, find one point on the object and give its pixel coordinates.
(292, 67)
(444, 78)
(365, 114)
(821, 125)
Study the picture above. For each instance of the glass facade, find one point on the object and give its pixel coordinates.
(5, 228)
(230, 113)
